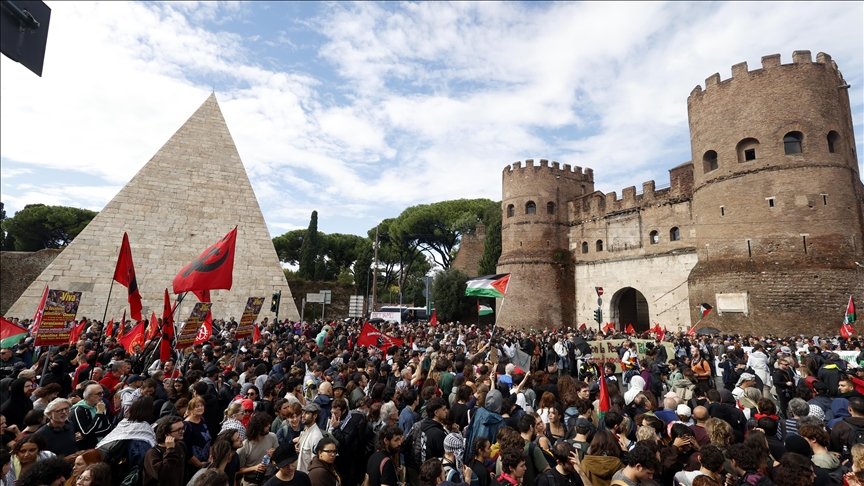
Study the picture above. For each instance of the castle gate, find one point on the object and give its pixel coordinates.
(629, 306)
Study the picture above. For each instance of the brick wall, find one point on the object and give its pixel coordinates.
(471, 251)
(18, 269)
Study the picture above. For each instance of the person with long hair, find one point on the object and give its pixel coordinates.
(27, 451)
(53, 470)
(232, 417)
(603, 459)
(166, 462)
(197, 436)
(45, 394)
(232, 465)
(97, 474)
(88, 457)
(179, 389)
(18, 404)
(220, 455)
(292, 427)
(794, 470)
(547, 400)
(259, 442)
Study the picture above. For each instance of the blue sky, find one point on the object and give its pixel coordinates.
(361, 110)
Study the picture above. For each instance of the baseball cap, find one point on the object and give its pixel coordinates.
(746, 377)
(284, 455)
(683, 410)
(134, 378)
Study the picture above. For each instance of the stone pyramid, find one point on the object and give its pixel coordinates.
(189, 195)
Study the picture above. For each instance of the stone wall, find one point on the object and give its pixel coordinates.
(471, 251)
(662, 280)
(18, 269)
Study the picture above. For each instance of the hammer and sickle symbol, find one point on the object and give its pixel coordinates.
(198, 264)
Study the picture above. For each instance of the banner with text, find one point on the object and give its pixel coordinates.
(58, 317)
(607, 351)
(190, 328)
(370, 336)
(250, 315)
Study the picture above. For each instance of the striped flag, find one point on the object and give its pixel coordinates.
(494, 286)
(704, 309)
(849, 318)
(484, 310)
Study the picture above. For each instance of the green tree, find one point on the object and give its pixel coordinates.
(492, 243)
(2, 231)
(448, 293)
(288, 246)
(363, 266)
(309, 250)
(437, 228)
(342, 249)
(38, 226)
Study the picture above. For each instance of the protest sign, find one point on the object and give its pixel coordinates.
(190, 329)
(250, 315)
(58, 317)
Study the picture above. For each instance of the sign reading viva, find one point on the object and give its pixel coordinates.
(58, 317)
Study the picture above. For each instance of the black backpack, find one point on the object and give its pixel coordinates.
(856, 435)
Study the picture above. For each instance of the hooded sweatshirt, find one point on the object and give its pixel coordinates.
(826, 461)
(637, 386)
(321, 474)
(600, 469)
(485, 421)
(18, 404)
(840, 407)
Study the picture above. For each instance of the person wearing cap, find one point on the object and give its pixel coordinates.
(589, 367)
(310, 436)
(746, 380)
(285, 459)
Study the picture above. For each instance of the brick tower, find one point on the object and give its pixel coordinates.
(777, 199)
(535, 242)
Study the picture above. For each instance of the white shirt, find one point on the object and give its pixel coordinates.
(308, 440)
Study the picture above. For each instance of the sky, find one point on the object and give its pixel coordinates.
(361, 110)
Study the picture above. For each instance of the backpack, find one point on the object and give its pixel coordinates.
(550, 477)
(415, 447)
(380, 471)
(450, 472)
(856, 435)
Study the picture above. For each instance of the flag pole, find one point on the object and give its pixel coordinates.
(105, 314)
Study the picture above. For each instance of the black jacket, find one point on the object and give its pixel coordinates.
(435, 435)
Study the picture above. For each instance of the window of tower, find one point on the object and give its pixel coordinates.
(583, 189)
(599, 245)
(709, 161)
(746, 149)
(584, 247)
(550, 208)
(792, 143)
(654, 237)
(510, 211)
(530, 208)
(674, 234)
(833, 141)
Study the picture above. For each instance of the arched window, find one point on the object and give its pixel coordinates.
(654, 237)
(530, 208)
(550, 208)
(510, 211)
(833, 142)
(747, 149)
(584, 247)
(709, 161)
(599, 245)
(674, 234)
(792, 143)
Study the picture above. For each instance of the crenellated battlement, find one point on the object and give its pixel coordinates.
(544, 167)
(770, 62)
(599, 205)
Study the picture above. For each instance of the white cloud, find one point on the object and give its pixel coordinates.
(403, 104)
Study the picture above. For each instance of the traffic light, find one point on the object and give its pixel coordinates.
(598, 316)
(274, 304)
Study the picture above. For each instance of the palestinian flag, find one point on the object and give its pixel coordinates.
(850, 312)
(484, 310)
(847, 331)
(494, 286)
(10, 333)
(704, 309)
(605, 402)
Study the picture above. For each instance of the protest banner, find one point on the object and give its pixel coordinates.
(387, 316)
(607, 351)
(190, 329)
(250, 315)
(58, 317)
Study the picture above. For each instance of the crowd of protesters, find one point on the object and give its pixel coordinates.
(306, 405)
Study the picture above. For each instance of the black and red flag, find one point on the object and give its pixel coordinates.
(167, 330)
(213, 269)
(206, 329)
(124, 274)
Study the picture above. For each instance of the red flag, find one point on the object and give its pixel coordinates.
(213, 269)
(168, 316)
(609, 327)
(370, 336)
(629, 329)
(434, 320)
(411, 342)
(109, 329)
(256, 334)
(152, 328)
(846, 330)
(692, 331)
(76, 331)
(124, 274)
(583, 327)
(605, 403)
(37, 317)
(205, 331)
(133, 337)
(122, 327)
